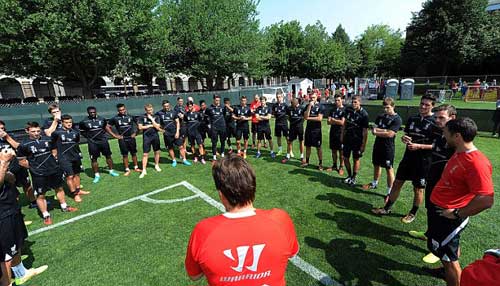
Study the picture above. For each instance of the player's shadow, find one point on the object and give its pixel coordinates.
(343, 202)
(358, 266)
(26, 250)
(360, 226)
(329, 180)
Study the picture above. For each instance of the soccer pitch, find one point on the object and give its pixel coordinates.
(133, 231)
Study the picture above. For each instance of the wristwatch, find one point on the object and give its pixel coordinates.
(455, 213)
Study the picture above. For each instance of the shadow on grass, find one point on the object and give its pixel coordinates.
(327, 179)
(363, 227)
(358, 266)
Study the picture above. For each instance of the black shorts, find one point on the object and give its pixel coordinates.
(12, 236)
(443, 234)
(149, 142)
(96, 149)
(70, 168)
(335, 140)
(264, 133)
(204, 132)
(230, 130)
(195, 138)
(296, 132)
(313, 138)
(41, 184)
(183, 130)
(22, 177)
(171, 142)
(414, 169)
(242, 132)
(216, 134)
(127, 145)
(254, 127)
(281, 130)
(353, 147)
(383, 157)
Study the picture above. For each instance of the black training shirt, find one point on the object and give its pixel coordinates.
(66, 142)
(216, 115)
(124, 124)
(94, 129)
(389, 122)
(355, 122)
(280, 113)
(38, 152)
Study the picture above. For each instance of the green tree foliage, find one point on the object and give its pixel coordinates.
(144, 40)
(445, 35)
(380, 47)
(60, 39)
(286, 42)
(216, 38)
(352, 54)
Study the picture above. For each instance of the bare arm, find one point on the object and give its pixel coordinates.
(6, 155)
(365, 137)
(415, 146)
(333, 121)
(196, 277)
(110, 131)
(53, 126)
(476, 205)
(383, 133)
(9, 139)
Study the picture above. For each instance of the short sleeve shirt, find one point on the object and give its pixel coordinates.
(389, 122)
(337, 113)
(242, 111)
(193, 120)
(296, 116)
(422, 131)
(67, 142)
(150, 132)
(168, 121)
(124, 124)
(38, 152)
(355, 122)
(94, 129)
(466, 175)
(316, 110)
(263, 111)
(280, 113)
(216, 115)
(243, 250)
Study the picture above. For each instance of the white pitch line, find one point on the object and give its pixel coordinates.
(92, 213)
(303, 265)
(153, 201)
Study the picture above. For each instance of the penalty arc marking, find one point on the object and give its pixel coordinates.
(303, 265)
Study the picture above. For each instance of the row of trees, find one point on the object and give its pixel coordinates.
(213, 39)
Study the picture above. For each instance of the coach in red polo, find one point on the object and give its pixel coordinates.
(244, 246)
(465, 189)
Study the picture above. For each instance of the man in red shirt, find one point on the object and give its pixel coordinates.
(253, 106)
(244, 246)
(465, 189)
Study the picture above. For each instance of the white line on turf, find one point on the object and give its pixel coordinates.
(92, 213)
(306, 267)
(153, 201)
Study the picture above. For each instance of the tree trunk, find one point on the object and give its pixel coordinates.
(210, 83)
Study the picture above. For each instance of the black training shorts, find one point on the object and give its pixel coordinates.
(12, 236)
(70, 168)
(313, 137)
(443, 234)
(98, 148)
(127, 145)
(41, 184)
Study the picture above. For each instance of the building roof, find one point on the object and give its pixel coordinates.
(299, 80)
